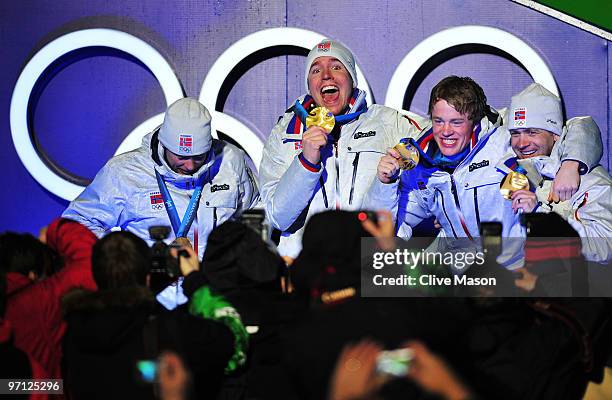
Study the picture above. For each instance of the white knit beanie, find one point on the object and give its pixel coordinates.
(186, 128)
(536, 107)
(332, 48)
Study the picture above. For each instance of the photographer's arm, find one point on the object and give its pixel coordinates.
(190, 267)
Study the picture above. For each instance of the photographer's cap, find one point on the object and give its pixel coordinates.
(186, 129)
(332, 48)
(536, 107)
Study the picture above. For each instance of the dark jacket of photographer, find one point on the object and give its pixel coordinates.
(109, 331)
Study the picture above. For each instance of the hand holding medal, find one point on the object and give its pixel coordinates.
(403, 156)
(409, 155)
(512, 182)
(515, 187)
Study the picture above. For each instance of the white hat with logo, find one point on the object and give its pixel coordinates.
(332, 48)
(186, 128)
(536, 107)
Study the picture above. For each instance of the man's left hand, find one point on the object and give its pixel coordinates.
(566, 182)
(525, 200)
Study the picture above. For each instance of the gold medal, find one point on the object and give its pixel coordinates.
(410, 155)
(512, 182)
(322, 117)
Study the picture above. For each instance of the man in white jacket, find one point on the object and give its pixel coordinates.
(180, 176)
(309, 170)
(536, 127)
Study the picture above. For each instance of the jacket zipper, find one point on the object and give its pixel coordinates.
(355, 164)
(445, 214)
(337, 194)
(323, 191)
(456, 197)
(476, 207)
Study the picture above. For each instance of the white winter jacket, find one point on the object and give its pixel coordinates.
(292, 191)
(589, 210)
(125, 193)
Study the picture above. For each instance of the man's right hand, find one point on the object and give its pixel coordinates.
(312, 141)
(186, 264)
(388, 166)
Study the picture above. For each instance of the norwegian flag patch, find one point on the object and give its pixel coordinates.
(324, 46)
(185, 143)
(519, 116)
(156, 200)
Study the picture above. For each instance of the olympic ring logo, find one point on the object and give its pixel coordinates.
(218, 74)
(157, 207)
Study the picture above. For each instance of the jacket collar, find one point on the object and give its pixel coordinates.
(427, 146)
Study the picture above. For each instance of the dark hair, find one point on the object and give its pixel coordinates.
(465, 95)
(22, 253)
(120, 259)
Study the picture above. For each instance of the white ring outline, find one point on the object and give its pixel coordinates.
(469, 34)
(111, 38)
(230, 58)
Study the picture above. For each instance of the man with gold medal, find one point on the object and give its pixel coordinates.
(536, 134)
(322, 153)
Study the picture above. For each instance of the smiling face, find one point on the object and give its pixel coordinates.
(330, 84)
(184, 165)
(452, 130)
(532, 142)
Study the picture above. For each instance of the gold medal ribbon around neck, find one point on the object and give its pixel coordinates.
(512, 182)
(409, 155)
(321, 117)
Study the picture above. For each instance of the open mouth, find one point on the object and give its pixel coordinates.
(329, 89)
(528, 153)
(330, 94)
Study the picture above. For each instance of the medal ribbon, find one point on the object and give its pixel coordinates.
(298, 122)
(301, 112)
(180, 227)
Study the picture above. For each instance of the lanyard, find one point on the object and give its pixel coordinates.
(180, 227)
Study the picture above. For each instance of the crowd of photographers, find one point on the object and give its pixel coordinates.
(84, 310)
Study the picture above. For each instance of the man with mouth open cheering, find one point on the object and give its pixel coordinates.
(308, 168)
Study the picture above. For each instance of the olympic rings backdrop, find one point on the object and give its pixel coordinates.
(83, 82)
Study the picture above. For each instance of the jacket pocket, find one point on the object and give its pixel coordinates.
(364, 162)
(221, 203)
(490, 177)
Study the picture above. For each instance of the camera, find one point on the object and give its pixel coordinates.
(256, 220)
(394, 362)
(146, 371)
(366, 214)
(162, 261)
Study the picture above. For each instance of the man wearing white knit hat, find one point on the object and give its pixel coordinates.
(536, 125)
(309, 168)
(180, 176)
